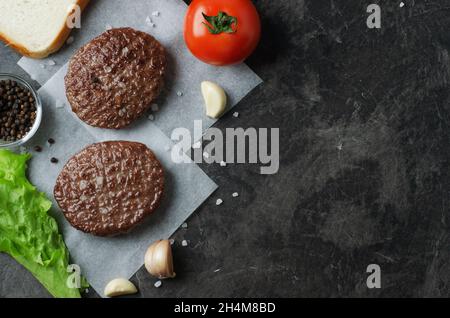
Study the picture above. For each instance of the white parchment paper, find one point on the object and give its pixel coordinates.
(102, 259)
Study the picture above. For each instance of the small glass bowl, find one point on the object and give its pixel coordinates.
(37, 121)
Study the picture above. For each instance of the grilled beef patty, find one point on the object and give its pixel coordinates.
(112, 80)
(109, 187)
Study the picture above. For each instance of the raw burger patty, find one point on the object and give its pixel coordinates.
(112, 80)
(109, 187)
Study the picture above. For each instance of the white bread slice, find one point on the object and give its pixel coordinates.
(36, 28)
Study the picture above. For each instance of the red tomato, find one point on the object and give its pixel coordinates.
(222, 32)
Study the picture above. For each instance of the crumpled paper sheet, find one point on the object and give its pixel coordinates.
(103, 259)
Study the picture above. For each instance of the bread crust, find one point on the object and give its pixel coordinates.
(54, 46)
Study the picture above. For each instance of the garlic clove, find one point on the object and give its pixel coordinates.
(159, 260)
(119, 287)
(215, 99)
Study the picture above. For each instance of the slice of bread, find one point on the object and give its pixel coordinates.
(36, 28)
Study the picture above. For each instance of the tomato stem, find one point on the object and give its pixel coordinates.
(221, 23)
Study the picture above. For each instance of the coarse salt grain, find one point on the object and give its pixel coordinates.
(51, 63)
(219, 201)
(108, 27)
(171, 241)
(122, 112)
(197, 145)
(223, 163)
(235, 195)
(236, 114)
(148, 20)
(151, 117)
(206, 155)
(154, 107)
(59, 104)
(179, 93)
(98, 181)
(402, 4)
(184, 225)
(155, 13)
(158, 284)
(184, 243)
(217, 270)
(83, 184)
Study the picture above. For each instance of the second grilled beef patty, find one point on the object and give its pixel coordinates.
(109, 187)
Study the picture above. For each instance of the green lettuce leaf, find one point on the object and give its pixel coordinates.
(27, 232)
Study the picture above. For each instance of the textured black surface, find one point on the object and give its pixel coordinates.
(364, 176)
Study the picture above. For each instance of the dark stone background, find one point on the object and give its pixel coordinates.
(364, 176)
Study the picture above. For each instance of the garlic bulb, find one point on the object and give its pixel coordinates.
(159, 261)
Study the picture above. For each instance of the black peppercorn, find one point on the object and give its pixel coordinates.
(17, 110)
